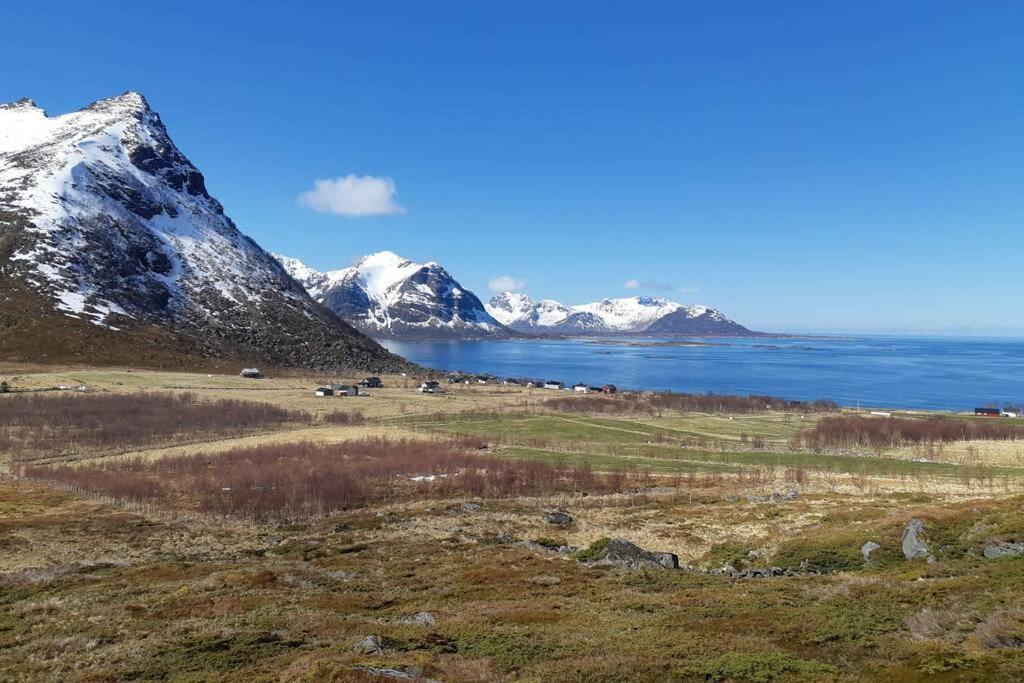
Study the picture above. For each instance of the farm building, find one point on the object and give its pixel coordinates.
(581, 388)
(553, 384)
(988, 412)
(250, 373)
(345, 389)
(324, 391)
(372, 383)
(430, 387)
(609, 389)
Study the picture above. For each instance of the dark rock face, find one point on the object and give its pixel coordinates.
(621, 553)
(130, 240)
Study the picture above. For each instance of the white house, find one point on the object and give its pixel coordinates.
(553, 384)
(324, 391)
(580, 388)
(430, 388)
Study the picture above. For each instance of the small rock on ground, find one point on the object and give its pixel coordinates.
(867, 549)
(559, 518)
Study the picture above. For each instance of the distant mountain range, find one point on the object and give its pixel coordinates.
(388, 296)
(637, 315)
(113, 250)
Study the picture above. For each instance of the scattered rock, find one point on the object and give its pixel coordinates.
(560, 549)
(559, 518)
(1003, 549)
(412, 673)
(420, 619)
(867, 549)
(914, 547)
(469, 507)
(775, 497)
(619, 552)
(505, 536)
(371, 645)
(762, 573)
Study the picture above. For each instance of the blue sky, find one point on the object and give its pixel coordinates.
(816, 166)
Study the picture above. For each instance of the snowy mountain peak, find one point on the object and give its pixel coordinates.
(128, 101)
(391, 296)
(630, 315)
(102, 215)
(23, 103)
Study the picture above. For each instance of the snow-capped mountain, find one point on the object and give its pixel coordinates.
(386, 295)
(106, 227)
(632, 315)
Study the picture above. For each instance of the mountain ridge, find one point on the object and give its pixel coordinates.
(386, 295)
(104, 221)
(627, 315)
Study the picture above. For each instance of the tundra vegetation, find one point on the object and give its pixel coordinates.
(168, 526)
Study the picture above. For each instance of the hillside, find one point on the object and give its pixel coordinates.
(111, 248)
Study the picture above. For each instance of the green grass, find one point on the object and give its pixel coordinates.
(656, 444)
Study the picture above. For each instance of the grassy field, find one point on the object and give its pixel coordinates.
(98, 588)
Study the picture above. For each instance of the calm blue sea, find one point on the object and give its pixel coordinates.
(898, 372)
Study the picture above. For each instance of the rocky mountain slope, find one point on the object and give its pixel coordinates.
(110, 243)
(632, 315)
(388, 296)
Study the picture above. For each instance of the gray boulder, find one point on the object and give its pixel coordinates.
(559, 518)
(621, 553)
(1003, 549)
(914, 548)
(867, 549)
(420, 619)
(371, 645)
(469, 507)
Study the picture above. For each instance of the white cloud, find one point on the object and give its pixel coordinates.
(689, 290)
(637, 284)
(505, 283)
(353, 196)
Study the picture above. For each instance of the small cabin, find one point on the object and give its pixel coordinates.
(430, 387)
(609, 389)
(372, 383)
(581, 388)
(345, 389)
(988, 412)
(250, 373)
(323, 391)
(553, 384)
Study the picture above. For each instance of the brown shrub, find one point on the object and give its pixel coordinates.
(303, 479)
(850, 431)
(648, 404)
(45, 424)
(1002, 629)
(341, 417)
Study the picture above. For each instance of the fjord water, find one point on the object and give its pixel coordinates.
(900, 372)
